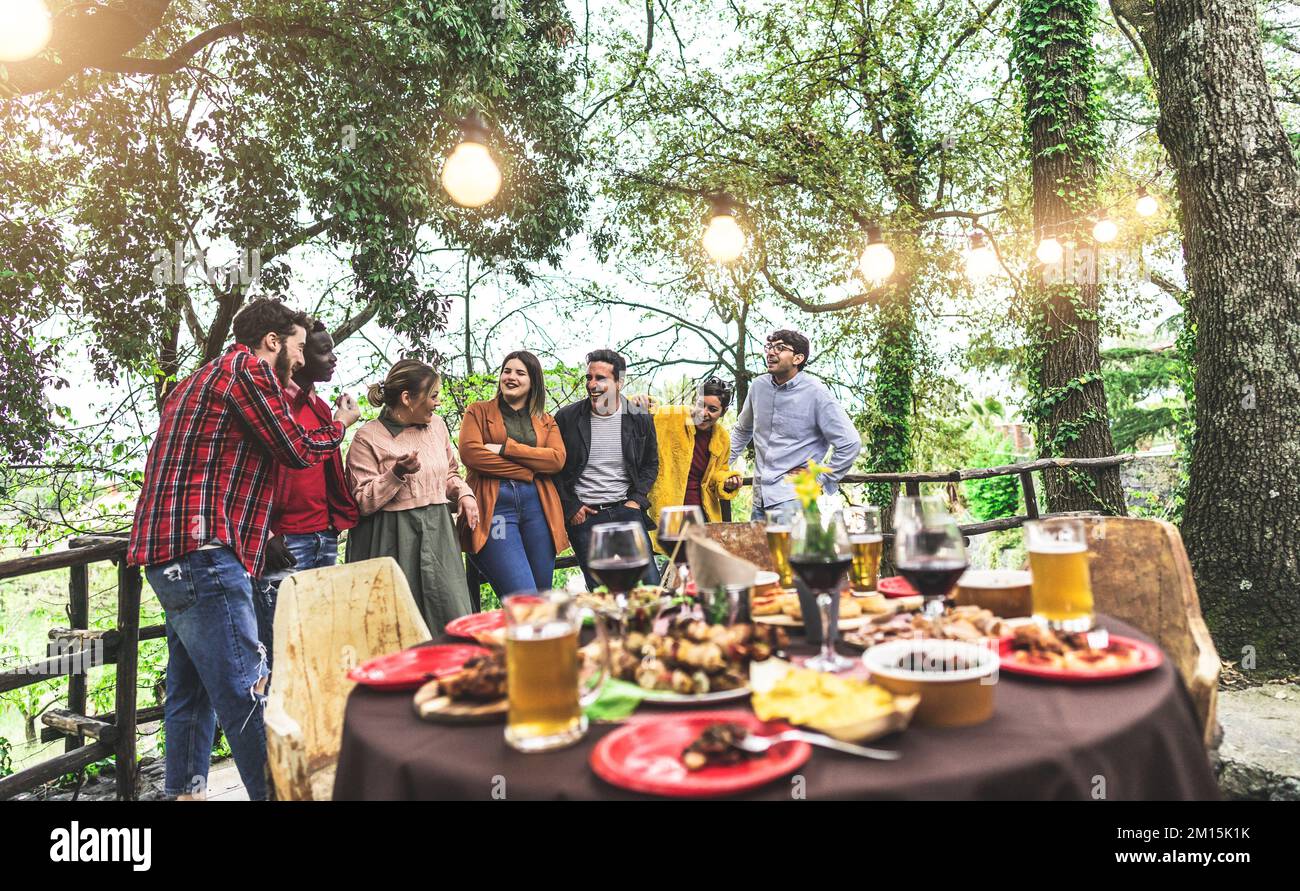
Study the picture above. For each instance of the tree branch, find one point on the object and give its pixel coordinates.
(179, 59)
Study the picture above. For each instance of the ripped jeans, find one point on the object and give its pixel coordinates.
(215, 669)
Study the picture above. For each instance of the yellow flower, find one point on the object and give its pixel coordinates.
(806, 485)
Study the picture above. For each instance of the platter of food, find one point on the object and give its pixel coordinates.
(408, 669)
(694, 755)
(849, 709)
(785, 611)
(969, 623)
(474, 694)
(1037, 652)
(690, 661)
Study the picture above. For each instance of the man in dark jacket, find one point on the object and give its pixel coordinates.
(613, 459)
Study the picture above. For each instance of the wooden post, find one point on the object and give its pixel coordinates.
(128, 623)
(79, 619)
(913, 488)
(1031, 497)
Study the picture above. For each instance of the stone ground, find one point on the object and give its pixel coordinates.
(1259, 757)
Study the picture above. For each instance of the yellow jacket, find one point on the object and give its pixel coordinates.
(676, 436)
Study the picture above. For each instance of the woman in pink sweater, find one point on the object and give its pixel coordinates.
(402, 470)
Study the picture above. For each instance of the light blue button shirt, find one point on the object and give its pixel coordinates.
(791, 424)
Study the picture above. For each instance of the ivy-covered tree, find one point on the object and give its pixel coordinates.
(1238, 189)
(1055, 61)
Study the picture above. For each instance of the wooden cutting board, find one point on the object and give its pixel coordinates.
(431, 705)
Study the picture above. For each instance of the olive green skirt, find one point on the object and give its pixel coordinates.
(424, 543)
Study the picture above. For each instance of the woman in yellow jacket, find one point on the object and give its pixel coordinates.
(693, 454)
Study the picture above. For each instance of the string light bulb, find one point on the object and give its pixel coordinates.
(877, 262)
(470, 174)
(1049, 251)
(1146, 204)
(981, 262)
(25, 28)
(1105, 231)
(724, 240)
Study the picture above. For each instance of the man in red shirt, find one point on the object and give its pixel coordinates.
(200, 533)
(313, 505)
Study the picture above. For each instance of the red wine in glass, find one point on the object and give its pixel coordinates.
(618, 574)
(933, 577)
(821, 574)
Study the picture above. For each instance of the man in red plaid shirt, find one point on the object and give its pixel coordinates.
(200, 533)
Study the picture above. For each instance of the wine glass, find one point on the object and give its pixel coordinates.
(674, 524)
(930, 554)
(820, 554)
(910, 509)
(618, 556)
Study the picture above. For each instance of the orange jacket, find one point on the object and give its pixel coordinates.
(484, 425)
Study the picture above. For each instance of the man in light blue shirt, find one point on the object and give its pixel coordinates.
(791, 418)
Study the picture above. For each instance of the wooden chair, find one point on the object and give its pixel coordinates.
(327, 621)
(745, 540)
(1141, 575)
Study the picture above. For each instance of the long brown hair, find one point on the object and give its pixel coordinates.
(407, 376)
(537, 381)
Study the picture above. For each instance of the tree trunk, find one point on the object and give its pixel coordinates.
(889, 441)
(1055, 62)
(1237, 185)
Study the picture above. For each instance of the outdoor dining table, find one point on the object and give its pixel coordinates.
(1130, 739)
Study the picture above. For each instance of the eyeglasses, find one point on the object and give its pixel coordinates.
(777, 348)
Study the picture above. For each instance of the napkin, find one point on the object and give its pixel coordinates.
(712, 566)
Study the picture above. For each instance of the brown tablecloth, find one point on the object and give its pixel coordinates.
(1134, 739)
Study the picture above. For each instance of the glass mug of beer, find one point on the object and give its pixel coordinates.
(866, 541)
(779, 524)
(543, 683)
(1058, 563)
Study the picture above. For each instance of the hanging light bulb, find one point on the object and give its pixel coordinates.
(1105, 231)
(470, 175)
(981, 262)
(1049, 251)
(25, 28)
(724, 240)
(1146, 204)
(877, 263)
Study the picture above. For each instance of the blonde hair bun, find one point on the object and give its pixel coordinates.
(375, 395)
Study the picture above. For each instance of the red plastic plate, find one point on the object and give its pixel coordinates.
(411, 668)
(475, 624)
(1149, 657)
(645, 755)
(895, 586)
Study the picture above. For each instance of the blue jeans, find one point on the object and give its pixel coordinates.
(216, 669)
(760, 511)
(311, 550)
(580, 538)
(519, 554)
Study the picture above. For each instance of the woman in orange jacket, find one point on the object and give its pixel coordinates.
(511, 448)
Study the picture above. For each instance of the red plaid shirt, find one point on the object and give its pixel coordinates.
(210, 476)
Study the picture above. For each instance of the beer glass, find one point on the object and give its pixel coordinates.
(1058, 563)
(546, 693)
(867, 542)
(779, 523)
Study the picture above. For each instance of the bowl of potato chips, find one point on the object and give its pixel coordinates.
(848, 709)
